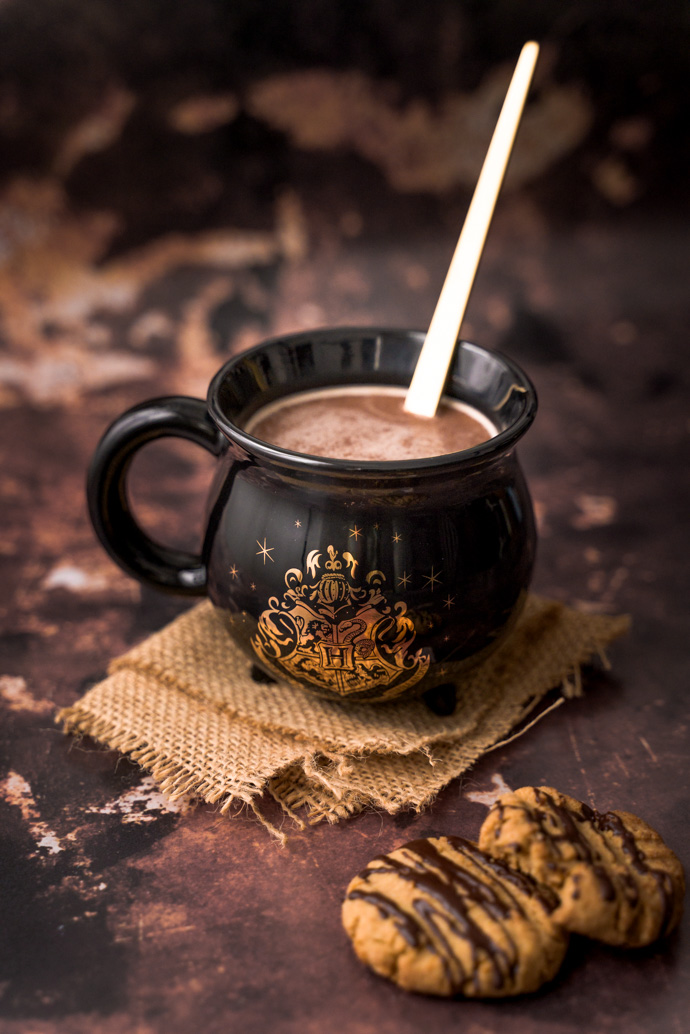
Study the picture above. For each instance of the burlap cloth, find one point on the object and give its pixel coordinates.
(184, 706)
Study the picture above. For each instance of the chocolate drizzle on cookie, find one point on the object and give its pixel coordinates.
(445, 916)
(388, 909)
(610, 822)
(452, 901)
(557, 836)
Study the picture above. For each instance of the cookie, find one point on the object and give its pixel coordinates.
(440, 917)
(616, 879)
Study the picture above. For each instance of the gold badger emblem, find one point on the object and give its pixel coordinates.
(339, 635)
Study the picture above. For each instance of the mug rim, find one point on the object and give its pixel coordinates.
(499, 443)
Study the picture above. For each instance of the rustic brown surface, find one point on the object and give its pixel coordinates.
(122, 912)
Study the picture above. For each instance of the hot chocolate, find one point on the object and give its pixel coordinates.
(367, 423)
(360, 581)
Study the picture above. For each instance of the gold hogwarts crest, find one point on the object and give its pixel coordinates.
(340, 635)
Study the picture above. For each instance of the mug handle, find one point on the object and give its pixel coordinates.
(177, 416)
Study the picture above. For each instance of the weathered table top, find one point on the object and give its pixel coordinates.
(122, 911)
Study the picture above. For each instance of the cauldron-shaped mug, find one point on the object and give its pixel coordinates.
(360, 581)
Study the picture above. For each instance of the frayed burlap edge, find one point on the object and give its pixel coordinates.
(192, 655)
(325, 784)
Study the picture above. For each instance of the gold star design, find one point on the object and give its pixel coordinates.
(356, 532)
(404, 580)
(234, 572)
(376, 527)
(397, 537)
(443, 670)
(449, 601)
(446, 638)
(265, 551)
(431, 579)
(298, 524)
(252, 585)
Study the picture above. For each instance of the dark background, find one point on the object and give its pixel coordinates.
(62, 61)
(179, 180)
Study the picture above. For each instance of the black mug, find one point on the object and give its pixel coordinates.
(360, 581)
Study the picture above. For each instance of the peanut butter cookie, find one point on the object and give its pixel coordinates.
(617, 880)
(440, 917)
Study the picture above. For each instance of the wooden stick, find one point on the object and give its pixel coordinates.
(430, 373)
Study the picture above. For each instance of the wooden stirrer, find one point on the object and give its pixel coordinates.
(426, 386)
